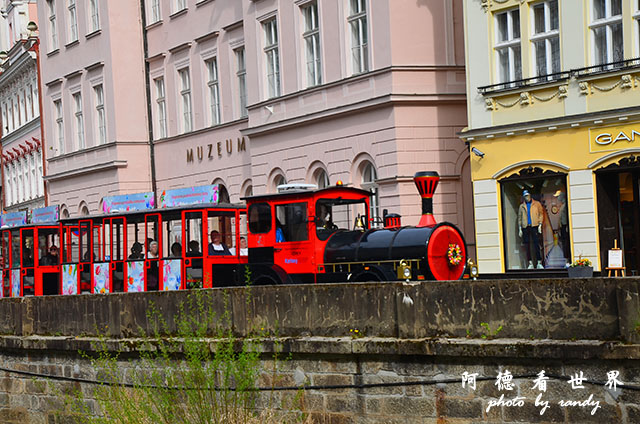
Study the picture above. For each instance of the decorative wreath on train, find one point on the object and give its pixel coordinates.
(454, 254)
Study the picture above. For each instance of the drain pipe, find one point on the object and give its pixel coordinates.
(152, 155)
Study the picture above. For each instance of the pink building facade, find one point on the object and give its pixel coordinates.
(252, 94)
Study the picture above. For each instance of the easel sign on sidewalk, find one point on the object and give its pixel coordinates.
(615, 260)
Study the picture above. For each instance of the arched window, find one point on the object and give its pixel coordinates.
(369, 178)
(84, 209)
(249, 191)
(223, 194)
(322, 179)
(64, 212)
(279, 180)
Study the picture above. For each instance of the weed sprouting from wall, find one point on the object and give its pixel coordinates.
(202, 374)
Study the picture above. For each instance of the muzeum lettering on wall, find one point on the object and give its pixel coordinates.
(211, 150)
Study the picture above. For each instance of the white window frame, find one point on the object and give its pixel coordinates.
(272, 57)
(241, 73)
(161, 103)
(94, 15)
(214, 90)
(358, 30)
(154, 11)
(371, 185)
(185, 94)
(57, 105)
(179, 5)
(510, 45)
(311, 42)
(79, 124)
(53, 29)
(73, 21)
(547, 36)
(607, 23)
(101, 120)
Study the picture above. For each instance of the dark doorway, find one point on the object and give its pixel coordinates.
(618, 190)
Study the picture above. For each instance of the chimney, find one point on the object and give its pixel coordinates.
(426, 182)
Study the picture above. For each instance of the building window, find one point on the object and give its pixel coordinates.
(73, 21)
(214, 90)
(53, 30)
(535, 221)
(369, 182)
(101, 129)
(636, 16)
(242, 81)
(185, 93)
(359, 38)
(545, 38)
(162, 108)
(507, 47)
(322, 179)
(606, 30)
(30, 112)
(272, 57)
(180, 5)
(311, 37)
(77, 100)
(95, 15)
(155, 11)
(57, 105)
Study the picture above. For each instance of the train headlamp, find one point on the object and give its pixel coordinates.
(404, 270)
(473, 269)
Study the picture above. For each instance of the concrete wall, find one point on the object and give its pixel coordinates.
(560, 326)
(562, 309)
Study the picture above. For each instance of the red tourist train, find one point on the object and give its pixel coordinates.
(299, 235)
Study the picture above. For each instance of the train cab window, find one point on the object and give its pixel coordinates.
(222, 232)
(48, 246)
(260, 218)
(5, 249)
(340, 214)
(242, 241)
(291, 222)
(15, 249)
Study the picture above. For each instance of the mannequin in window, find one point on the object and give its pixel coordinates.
(530, 216)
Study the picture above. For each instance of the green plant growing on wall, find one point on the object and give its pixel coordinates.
(187, 378)
(488, 333)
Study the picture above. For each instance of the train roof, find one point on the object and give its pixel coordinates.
(302, 192)
(196, 206)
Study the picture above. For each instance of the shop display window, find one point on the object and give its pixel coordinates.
(535, 221)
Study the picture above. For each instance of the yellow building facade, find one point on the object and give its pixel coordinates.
(554, 124)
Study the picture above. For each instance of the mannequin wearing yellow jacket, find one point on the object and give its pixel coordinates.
(530, 217)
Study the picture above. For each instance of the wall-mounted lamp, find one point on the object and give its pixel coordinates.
(269, 108)
(477, 152)
(3, 55)
(32, 27)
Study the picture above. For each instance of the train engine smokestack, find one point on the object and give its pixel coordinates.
(426, 182)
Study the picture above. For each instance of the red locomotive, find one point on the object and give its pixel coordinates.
(303, 236)
(299, 235)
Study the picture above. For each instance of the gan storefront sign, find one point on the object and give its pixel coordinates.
(614, 138)
(128, 202)
(48, 214)
(189, 196)
(13, 219)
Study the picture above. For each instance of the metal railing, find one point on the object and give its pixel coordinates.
(527, 82)
(561, 76)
